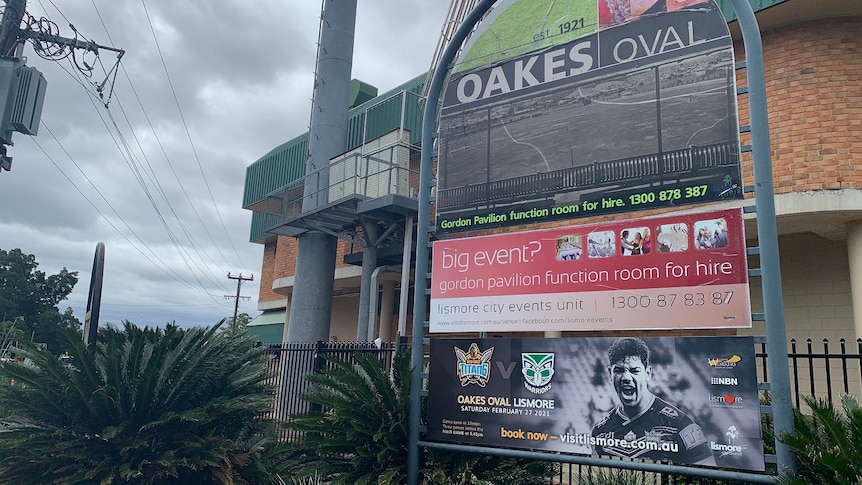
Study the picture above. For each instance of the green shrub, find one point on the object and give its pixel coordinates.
(361, 436)
(827, 443)
(313, 479)
(447, 468)
(609, 476)
(150, 406)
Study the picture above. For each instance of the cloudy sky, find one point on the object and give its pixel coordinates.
(204, 89)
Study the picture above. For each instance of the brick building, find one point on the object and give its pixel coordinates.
(813, 67)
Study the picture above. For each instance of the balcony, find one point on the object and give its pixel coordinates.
(379, 180)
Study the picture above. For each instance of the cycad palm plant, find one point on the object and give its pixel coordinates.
(361, 435)
(150, 406)
(827, 443)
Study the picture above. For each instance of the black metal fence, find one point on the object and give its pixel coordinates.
(292, 361)
(822, 373)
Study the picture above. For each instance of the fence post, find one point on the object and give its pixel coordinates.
(318, 366)
(319, 359)
(795, 371)
(809, 345)
(826, 358)
(859, 356)
(844, 365)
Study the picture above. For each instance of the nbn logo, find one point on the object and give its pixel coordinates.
(724, 381)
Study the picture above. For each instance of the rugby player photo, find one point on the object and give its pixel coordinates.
(644, 425)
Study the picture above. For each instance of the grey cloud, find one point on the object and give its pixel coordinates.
(242, 73)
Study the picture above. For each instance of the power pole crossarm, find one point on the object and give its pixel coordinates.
(22, 88)
(67, 42)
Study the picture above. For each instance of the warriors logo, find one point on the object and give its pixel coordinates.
(474, 367)
(538, 370)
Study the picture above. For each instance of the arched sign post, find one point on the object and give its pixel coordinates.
(94, 298)
(473, 196)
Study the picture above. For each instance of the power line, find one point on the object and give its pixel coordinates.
(188, 133)
(108, 220)
(181, 185)
(44, 28)
(154, 177)
(128, 157)
(151, 175)
(165, 225)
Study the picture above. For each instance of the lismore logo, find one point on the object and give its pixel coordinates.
(730, 447)
(538, 369)
(729, 362)
(474, 367)
(725, 401)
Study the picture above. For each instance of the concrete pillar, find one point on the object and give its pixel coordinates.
(854, 255)
(311, 311)
(369, 264)
(286, 319)
(311, 308)
(387, 304)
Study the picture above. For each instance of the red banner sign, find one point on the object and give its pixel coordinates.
(679, 271)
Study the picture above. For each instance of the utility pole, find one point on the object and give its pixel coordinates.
(22, 88)
(13, 14)
(239, 281)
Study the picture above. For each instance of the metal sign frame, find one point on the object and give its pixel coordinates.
(94, 299)
(779, 384)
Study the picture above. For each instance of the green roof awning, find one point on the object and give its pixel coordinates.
(267, 327)
(268, 318)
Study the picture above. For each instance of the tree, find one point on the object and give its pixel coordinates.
(30, 297)
(9, 336)
(242, 320)
(150, 406)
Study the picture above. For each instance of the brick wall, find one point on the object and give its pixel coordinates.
(279, 260)
(814, 96)
(267, 274)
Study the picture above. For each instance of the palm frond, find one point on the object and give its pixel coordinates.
(826, 443)
(149, 406)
